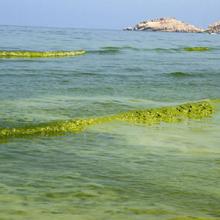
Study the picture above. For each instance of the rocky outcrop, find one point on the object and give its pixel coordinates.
(214, 28)
(128, 29)
(167, 25)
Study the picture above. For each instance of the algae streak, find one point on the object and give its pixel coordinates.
(196, 110)
(40, 54)
(196, 49)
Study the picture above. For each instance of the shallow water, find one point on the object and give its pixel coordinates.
(115, 170)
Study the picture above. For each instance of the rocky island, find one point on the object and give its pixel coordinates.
(166, 25)
(172, 25)
(214, 28)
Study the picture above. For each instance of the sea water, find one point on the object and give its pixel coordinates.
(113, 170)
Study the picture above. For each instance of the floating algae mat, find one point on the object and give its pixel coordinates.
(196, 49)
(197, 110)
(39, 54)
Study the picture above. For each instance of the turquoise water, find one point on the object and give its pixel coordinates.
(114, 170)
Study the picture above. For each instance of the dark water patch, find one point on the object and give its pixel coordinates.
(111, 48)
(201, 74)
(180, 74)
(195, 110)
(70, 194)
(105, 51)
(114, 49)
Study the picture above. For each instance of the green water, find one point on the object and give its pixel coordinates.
(120, 169)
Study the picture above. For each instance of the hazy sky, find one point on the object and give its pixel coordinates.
(109, 14)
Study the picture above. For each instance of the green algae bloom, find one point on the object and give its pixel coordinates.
(196, 49)
(150, 116)
(197, 110)
(52, 128)
(169, 114)
(40, 54)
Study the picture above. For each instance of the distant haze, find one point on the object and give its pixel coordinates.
(109, 14)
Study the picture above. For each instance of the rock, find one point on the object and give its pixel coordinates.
(128, 29)
(214, 28)
(167, 25)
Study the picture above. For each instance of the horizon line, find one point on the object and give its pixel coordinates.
(61, 27)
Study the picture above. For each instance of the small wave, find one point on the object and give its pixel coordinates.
(127, 47)
(167, 50)
(180, 74)
(193, 110)
(114, 50)
(106, 50)
(111, 48)
(103, 52)
(131, 48)
(39, 54)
